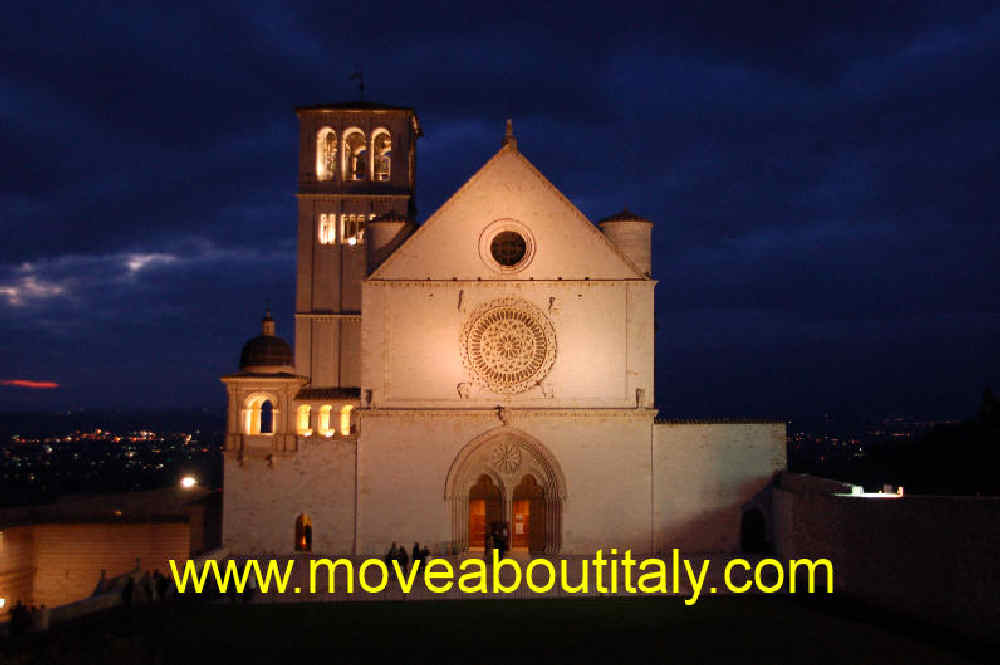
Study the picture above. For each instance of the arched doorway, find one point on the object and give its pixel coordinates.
(514, 465)
(303, 533)
(485, 508)
(753, 532)
(528, 512)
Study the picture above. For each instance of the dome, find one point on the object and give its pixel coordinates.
(266, 352)
(625, 216)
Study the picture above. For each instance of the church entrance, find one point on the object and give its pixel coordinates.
(506, 479)
(485, 507)
(529, 516)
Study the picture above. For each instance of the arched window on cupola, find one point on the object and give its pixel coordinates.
(323, 424)
(345, 419)
(355, 155)
(326, 153)
(381, 154)
(304, 427)
(259, 414)
(267, 418)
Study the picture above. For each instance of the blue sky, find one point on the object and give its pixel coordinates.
(821, 181)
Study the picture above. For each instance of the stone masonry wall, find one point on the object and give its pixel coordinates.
(69, 557)
(931, 557)
(263, 498)
(704, 474)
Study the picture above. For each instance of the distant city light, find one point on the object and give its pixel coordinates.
(187, 482)
(859, 491)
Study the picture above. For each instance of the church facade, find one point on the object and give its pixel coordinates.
(493, 367)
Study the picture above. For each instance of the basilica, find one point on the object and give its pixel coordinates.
(492, 366)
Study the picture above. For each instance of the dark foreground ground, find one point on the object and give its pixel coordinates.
(743, 629)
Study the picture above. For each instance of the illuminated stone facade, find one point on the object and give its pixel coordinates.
(494, 365)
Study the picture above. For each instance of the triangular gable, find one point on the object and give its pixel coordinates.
(566, 244)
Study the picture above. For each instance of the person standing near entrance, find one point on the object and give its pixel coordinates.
(502, 539)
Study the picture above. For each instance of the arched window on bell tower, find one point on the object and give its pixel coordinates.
(327, 228)
(326, 154)
(355, 155)
(381, 154)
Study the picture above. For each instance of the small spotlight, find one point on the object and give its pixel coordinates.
(187, 482)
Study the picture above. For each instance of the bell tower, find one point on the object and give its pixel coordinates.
(357, 162)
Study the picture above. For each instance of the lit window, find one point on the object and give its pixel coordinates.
(303, 424)
(303, 533)
(352, 229)
(327, 229)
(323, 425)
(259, 415)
(345, 419)
(355, 155)
(326, 154)
(381, 154)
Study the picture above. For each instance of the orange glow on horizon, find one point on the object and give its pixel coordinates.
(28, 383)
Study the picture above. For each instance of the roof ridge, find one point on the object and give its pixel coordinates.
(437, 213)
(511, 148)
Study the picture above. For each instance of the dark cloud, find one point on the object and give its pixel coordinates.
(821, 181)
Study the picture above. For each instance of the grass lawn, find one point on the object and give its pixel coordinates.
(731, 629)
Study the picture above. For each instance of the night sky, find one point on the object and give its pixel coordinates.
(822, 183)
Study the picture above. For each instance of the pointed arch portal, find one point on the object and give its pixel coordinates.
(506, 475)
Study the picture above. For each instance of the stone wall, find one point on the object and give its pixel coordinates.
(706, 472)
(70, 557)
(65, 560)
(603, 343)
(603, 457)
(930, 557)
(264, 497)
(17, 565)
(619, 480)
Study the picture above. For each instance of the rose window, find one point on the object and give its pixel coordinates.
(509, 345)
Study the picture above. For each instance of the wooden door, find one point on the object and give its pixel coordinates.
(485, 508)
(536, 533)
(477, 522)
(520, 536)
